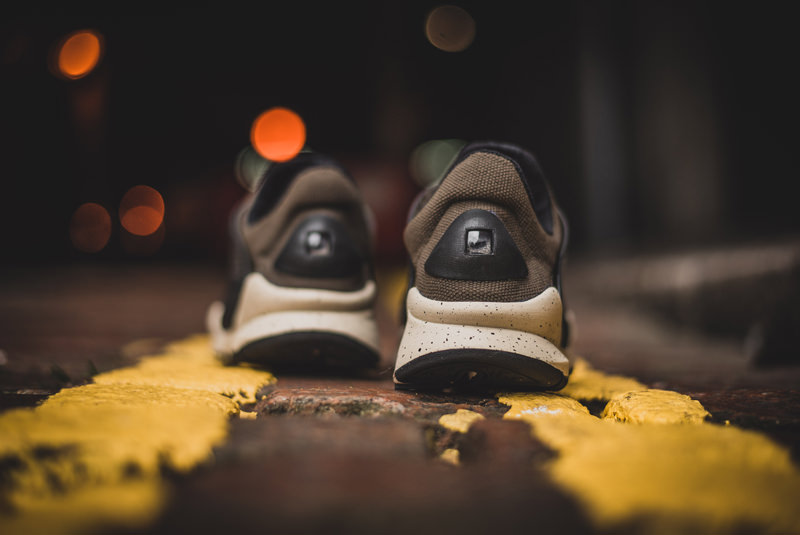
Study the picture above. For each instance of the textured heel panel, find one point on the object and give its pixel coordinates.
(320, 247)
(529, 171)
(476, 247)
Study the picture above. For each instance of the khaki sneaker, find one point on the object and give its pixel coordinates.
(484, 307)
(302, 290)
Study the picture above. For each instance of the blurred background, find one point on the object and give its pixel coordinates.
(663, 127)
(658, 123)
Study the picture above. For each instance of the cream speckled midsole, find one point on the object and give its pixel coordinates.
(265, 310)
(528, 328)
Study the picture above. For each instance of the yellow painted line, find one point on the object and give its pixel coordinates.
(93, 456)
(652, 461)
(450, 456)
(191, 365)
(589, 384)
(460, 420)
(655, 407)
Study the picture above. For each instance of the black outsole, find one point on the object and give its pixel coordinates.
(478, 370)
(308, 353)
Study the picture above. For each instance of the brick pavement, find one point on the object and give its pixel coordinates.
(352, 455)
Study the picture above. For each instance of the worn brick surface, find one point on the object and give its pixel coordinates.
(353, 455)
(774, 412)
(353, 475)
(502, 443)
(300, 435)
(343, 455)
(365, 398)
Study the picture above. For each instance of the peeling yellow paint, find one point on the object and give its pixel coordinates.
(588, 384)
(190, 364)
(655, 407)
(134, 504)
(92, 455)
(659, 474)
(138, 396)
(460, 420)
(532, 404)
(450, 456)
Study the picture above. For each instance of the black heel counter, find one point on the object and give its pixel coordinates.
(477, 247)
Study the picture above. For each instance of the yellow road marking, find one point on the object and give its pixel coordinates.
(589, 384)
(93, 455)
(460, 420)
(655, 407)
(191, 365)
(450, 456)
(669, 473)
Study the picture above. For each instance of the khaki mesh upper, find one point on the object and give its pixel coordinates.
(322, 191)
(490, 182)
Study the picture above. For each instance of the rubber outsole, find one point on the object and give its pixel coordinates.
(478, 369)
(308, 352)
(297, 329)
(482, 345)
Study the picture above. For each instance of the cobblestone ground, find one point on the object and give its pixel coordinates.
(661, 429)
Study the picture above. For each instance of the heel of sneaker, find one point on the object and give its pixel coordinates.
(472, 344)
(297, 328)
(302, 340)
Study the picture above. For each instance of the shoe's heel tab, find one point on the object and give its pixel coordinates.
(279, 177)
(528, 169)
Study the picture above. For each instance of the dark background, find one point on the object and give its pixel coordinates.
(660, 125)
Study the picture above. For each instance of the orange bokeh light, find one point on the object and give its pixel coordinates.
(141, 210)
(90, 227)
(278, 134)
(79, 54)
(450, 28)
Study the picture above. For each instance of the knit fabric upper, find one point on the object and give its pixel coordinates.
(488, 181)
(320, 190)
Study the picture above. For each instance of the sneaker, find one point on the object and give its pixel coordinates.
(302, 289)
(484, 306)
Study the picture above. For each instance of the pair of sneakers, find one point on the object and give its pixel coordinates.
(483, 308)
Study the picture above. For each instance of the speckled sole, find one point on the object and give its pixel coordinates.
(267, 314)
(478, 369)
(512, 345)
